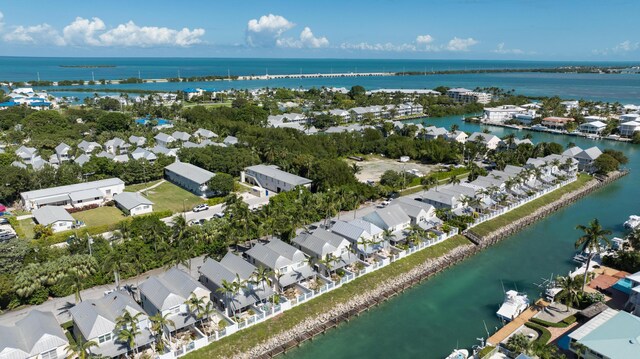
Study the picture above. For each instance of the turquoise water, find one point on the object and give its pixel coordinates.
(429, 320)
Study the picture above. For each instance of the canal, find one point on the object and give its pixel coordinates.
(450, 310)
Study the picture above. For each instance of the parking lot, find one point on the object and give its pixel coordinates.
(372, 169)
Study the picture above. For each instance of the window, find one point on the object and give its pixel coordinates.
(104, 338)
(108, 192)
(51, 354)
(284, 269)
(175, 310)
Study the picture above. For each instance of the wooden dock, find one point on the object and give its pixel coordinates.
(513, 325)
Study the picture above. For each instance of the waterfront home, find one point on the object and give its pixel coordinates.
(586, 159)
(76, 195)
(390, 218)
(181, 136)
(141, 153)
(629, 117)
(88, 147)
(26, 154)
(57, 218)
(233, 269)
(570, 105)
(288, 263)
(192, 178)
(432, 132)
(633, 303)
(168, 294)
(572, 151)
(441, 200)
(323, 245)
(502, 114)
(556, 122)
(230, 140)
(457, 136)
(489, 140)
(365, 236)
(629, 128)
(95, 320)
(204, 133)
(595, 127)
(137, 141)
(611, 334)
(62, 152)
(272, 178)
(164, 140)
(133, 203)
(417, 210)
(36, 336)
(116, 146)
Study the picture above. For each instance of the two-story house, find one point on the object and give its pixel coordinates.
(288, 263)
(322, 245)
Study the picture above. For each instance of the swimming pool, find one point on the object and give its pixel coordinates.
(624, 285)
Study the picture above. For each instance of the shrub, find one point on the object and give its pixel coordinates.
(16, 226)
(544, 333)
(84, 208)
(544, 323)
(569, 320)
(485, 351)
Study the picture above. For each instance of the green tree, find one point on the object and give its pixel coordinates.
(605, 164)
(221, 184)
(129, 329)
(590, 242)
(158, 323)
(80, 348)
(570, 294)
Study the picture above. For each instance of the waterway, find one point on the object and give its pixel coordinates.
(450, 309)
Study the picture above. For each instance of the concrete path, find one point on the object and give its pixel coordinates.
(153, 186)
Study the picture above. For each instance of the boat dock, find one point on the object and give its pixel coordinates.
(515, 324)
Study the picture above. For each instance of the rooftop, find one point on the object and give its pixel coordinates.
(275, 172)
(191, 172)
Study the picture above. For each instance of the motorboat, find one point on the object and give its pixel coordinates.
(514, 304)
(459, 354)
(538, 128)
(632, 223)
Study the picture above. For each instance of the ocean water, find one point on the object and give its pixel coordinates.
(451, 309)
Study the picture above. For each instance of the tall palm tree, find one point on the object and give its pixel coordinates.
(129, 328)
(570, 294)
(158, 323)
(453, 180)
(263, 275)
(594, 235)
(195, 305)
(80, 348)
(207, 312)
(427, 182)
(117, 263)
(229, 290)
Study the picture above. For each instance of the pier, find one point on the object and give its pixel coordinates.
(316, 75)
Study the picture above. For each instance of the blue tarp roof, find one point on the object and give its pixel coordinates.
(40, 104)
(8, 104)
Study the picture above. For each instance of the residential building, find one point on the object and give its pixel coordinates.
(88, 147)
(629, 128)
(629, 117)
(321, 244)
(204, 133)
(344, 115)
(95, 320)
(230, 140)
(76, 195)
(365, 236)
(137, 141)
(633, 303)
(468, 96)
(62, 152)
(441, 200)
(611, 334)
(164, 140)
(390, 218)
(141, 153)
(288, 263)
(36, 336)
(556, 122)
(133, 203)
(192, 178)
(272, 178)
(457, 136)
(231, 269)
(26, 154)
(116, 146)
(168, 294)
(159, 150)
(572, 151)
(570, 105)
(82, 159)
(489, 140)
(502, 114)
(417, 211)
(432, 132)
(586, 159)
(55, 217)
(595, 127)
(181, 136)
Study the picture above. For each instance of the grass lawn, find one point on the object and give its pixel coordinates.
(507, 218)
(168, 196)
(250, 337)
(26, 225)
(138, 186)
(209, 105)
(100, 216)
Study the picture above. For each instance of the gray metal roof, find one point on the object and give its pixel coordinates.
(95, 317)
(130, 200)
(90, 193)
(182, 136)
(191, 172)
(36, 333)
(276, 254)
(66, 190)
(388, 217)
(62, 148)
(276, 173)
(589, 154)
(572, 151)
(142, 153)
(367, 226)
(320, 242)
(50, 214)
(164, 137)
(440, 197)
(230, 140)
(203, 132)
(349, 231)
(482, 137)
(82, 159)
(170, 288)
(227, 268)
(297, 275)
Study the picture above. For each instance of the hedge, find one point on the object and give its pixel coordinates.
(562, 324)
(16, 226)
(545, 334)
(570, 319)
(486, 351)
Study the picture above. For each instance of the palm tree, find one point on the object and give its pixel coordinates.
(453, 180)
(570, 294)
(80, 349)
(355, 168)
(328, 262)
(263, 275)
(158, 323)
(388, 235)
(129, 329)
(195, 304)
(229, 290)
(427, 182)
(116, 262)
(590, 242)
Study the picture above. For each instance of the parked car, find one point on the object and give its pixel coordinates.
(6, 236)
(219, 214)
(201, 207)
(383, 204)
(4, 221)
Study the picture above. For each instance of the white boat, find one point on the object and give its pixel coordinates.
(514, 304)
(459, 354)
(538, 127)
(632, 223)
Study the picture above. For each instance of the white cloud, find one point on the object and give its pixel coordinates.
(458, 44)
(82, 31)
(307, 40)
(1, 20)
(267, 30)
(93, 32)
(424, 39)
(365, 46)
(501, 49)
(36, 34)
(130, 34)
(626, 46)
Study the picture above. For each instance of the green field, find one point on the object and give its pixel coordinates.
(250, 337)
(168, 196)
(100, 216)
(209, 105)
(139, 186)
(507, 218)
(26, 225)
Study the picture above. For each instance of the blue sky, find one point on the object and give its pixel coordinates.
(444, 29)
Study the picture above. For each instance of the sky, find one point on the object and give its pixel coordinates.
(426, 29)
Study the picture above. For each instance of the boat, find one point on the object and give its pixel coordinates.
(632, 223)
(459, 354)
(514, 304)
(538, 128)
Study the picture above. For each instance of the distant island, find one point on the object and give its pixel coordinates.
(87, 66)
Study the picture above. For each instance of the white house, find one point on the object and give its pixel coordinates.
(502, 113)
(457, 136)
(587, 158)
(391, 218)
(133, 203)
(289, 263)
(629, 128)
(164, 140)
(272, 178)
(322, 244)
(594, 127)
(489, 140)
(76, 195)
(36, 336)
(55, 217)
